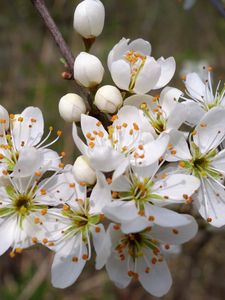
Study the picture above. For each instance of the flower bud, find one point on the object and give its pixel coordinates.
(88, 70)
(83, 172)
(4, 118)
(108, 99)
(71, 106)
(89, 17)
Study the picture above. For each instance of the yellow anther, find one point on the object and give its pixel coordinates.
(12, 116)
(38, 173)
(43, 192)
(33, 120)
(114, 118)
(74, 259)
(50, 128)
(45, 241)
(91, 145)
(44, 211)
(37, 220)
(72, 185)
(61, 165)
(97, 229)
(12, 254)
(59, 133)
(124, 125)
(66, 207)
(19, 250)
(136, 127)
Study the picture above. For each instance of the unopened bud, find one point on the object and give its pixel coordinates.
(89, 17)
(108, 99)
(83, 172)
(71, 106)
(88, 70)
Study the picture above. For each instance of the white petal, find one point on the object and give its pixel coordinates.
(158, 281)
(121, 211)
(117, 52)
(141, 46)
(194, 112)
(211, 130)
(176, 117)
(7, 233)
(100, 195)
(78, 141)
(120, 184)
(30, 160)
(120, 169)
(102, 245)
(64, 271)
(105, 158)
(177, 187)
(25, 135)
(211, 203)
(148, 76)
(219, 161)
(178, 234)
(90, 124)
(180, 147)
(117, 271)
(169, 98)
(196, 88)
(168, 67)
(155, 149)
(135, 225)
(121, 74)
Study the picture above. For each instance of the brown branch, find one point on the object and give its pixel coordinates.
(40, 6)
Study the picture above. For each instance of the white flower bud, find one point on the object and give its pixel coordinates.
(4, 116)
(83, 172)
(88, 70)
(71, 106)
(89, 17)
(108, 99)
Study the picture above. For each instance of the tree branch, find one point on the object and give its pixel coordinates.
(40, 6)
(219, 6)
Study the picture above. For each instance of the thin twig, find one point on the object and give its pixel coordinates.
(219, 6)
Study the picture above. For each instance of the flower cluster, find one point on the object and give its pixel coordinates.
(141, 159)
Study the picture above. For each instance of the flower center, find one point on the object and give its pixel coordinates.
(135, 243)
(156, 116)
(137, 62)
(22, 204)
(201, 164)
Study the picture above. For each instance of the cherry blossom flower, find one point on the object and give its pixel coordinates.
(127, 141)
(134, 70)
(140, 194)
(139, 255)
(20, 141)
(207, 162)
(24, 202)
(69, 231)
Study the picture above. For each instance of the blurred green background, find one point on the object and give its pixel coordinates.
(31, 75)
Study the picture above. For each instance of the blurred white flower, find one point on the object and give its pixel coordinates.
(83, 172)
(108, 99)
(189, 3)
(71, 106)
(89, 17)
(88, 70)
(133, 69)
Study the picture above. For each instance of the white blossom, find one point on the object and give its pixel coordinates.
(134, 70)
(139, 255)
(126, 142)
(202, 158)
